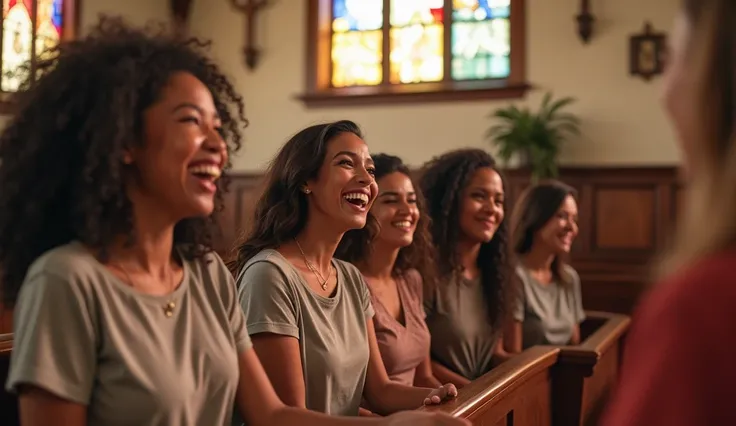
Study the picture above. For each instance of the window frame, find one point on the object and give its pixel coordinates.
(318, 67)
(69, 31)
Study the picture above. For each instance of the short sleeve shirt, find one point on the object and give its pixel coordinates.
(332, 331)
(549, 312)
(85, 336)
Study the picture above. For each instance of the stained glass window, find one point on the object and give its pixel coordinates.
(22, 41)
(478, 44)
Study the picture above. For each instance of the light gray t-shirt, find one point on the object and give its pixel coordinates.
(550, 312)
(332, 331)
(85, 336)
(463, 339)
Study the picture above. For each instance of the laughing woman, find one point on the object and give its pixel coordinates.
(395, 263)
(465, 200)
(109, 178)
(310, 315)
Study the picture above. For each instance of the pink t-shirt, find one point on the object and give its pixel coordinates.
(403, 346)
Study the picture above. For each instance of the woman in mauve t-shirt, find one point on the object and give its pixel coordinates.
(678, 368)
(395, 263)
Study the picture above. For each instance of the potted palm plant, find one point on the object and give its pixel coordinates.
(535, 138)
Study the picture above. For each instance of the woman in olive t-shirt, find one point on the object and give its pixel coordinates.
(465, 198)
(549, 307)
(309, 315)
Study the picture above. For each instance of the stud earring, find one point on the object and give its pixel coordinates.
(306, 190)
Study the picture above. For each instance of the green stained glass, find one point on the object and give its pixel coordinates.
(481, 49)
(357, 58)
(480, 10)
(409, 12)
(416, 54)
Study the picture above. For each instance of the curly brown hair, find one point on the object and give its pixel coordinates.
(443, 180)
(62, 173)
(281, 212)
(355, 245)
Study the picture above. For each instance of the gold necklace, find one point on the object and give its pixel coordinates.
(169, 307)
(320, 279)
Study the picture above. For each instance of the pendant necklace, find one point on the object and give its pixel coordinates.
(320, 279)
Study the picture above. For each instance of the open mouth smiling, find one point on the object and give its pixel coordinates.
(359, 199)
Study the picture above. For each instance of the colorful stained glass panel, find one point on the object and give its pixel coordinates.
(409, 12)
(480, 10)
(481, 49)
(17, 43)
(357, 15)
(416, 54)
(356, 58)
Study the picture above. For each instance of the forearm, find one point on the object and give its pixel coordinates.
(427, 381)
(445, 375)
(395, 396)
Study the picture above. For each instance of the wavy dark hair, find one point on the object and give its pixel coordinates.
(443, 181)
(534, 208)
(62, 173)
(281, 212)
(355, 245)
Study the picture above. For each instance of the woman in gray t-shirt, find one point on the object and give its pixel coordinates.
(465, 199)
(549, 307)
(309, 315)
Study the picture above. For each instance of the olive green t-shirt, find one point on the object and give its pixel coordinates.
(462, 337)
(85, 336)
(332, 331)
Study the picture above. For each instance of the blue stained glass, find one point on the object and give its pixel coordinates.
(57, 15)
(357, 15)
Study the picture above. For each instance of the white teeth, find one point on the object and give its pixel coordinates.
(402, 224)
(206, 169)
(356, 196)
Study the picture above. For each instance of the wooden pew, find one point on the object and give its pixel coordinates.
(585, 375)
(8, 402)
(516, 393)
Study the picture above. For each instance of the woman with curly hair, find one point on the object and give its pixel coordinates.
(549, 306)
(465, 312)
(394, 264)
(111, 170)
(310, 315)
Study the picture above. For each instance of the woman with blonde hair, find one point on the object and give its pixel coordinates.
(678, 368)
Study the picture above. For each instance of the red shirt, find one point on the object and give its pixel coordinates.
(679, 365)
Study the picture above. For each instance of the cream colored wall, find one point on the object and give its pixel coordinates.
(622, 119)
(135, 11)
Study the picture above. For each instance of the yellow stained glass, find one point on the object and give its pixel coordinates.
(48, 32)
(17, 43)
(356, 58)
(408, 12)
(416, 54)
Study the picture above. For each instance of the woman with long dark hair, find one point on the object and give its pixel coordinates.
(111, 171)
(549, 307)
(310, 315)
(396, 264)
(465, 195)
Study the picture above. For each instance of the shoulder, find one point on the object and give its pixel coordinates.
(414, 281)
(571, 273)
(68, 261)
(267, 263)
(349, 271)
(699, 298)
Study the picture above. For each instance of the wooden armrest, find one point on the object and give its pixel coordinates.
(500, 381)
(6, 342)
(612, 329)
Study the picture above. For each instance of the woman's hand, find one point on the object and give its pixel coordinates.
(418, 418)
(442, 393)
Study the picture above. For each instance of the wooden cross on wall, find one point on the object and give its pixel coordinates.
(250, 8)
